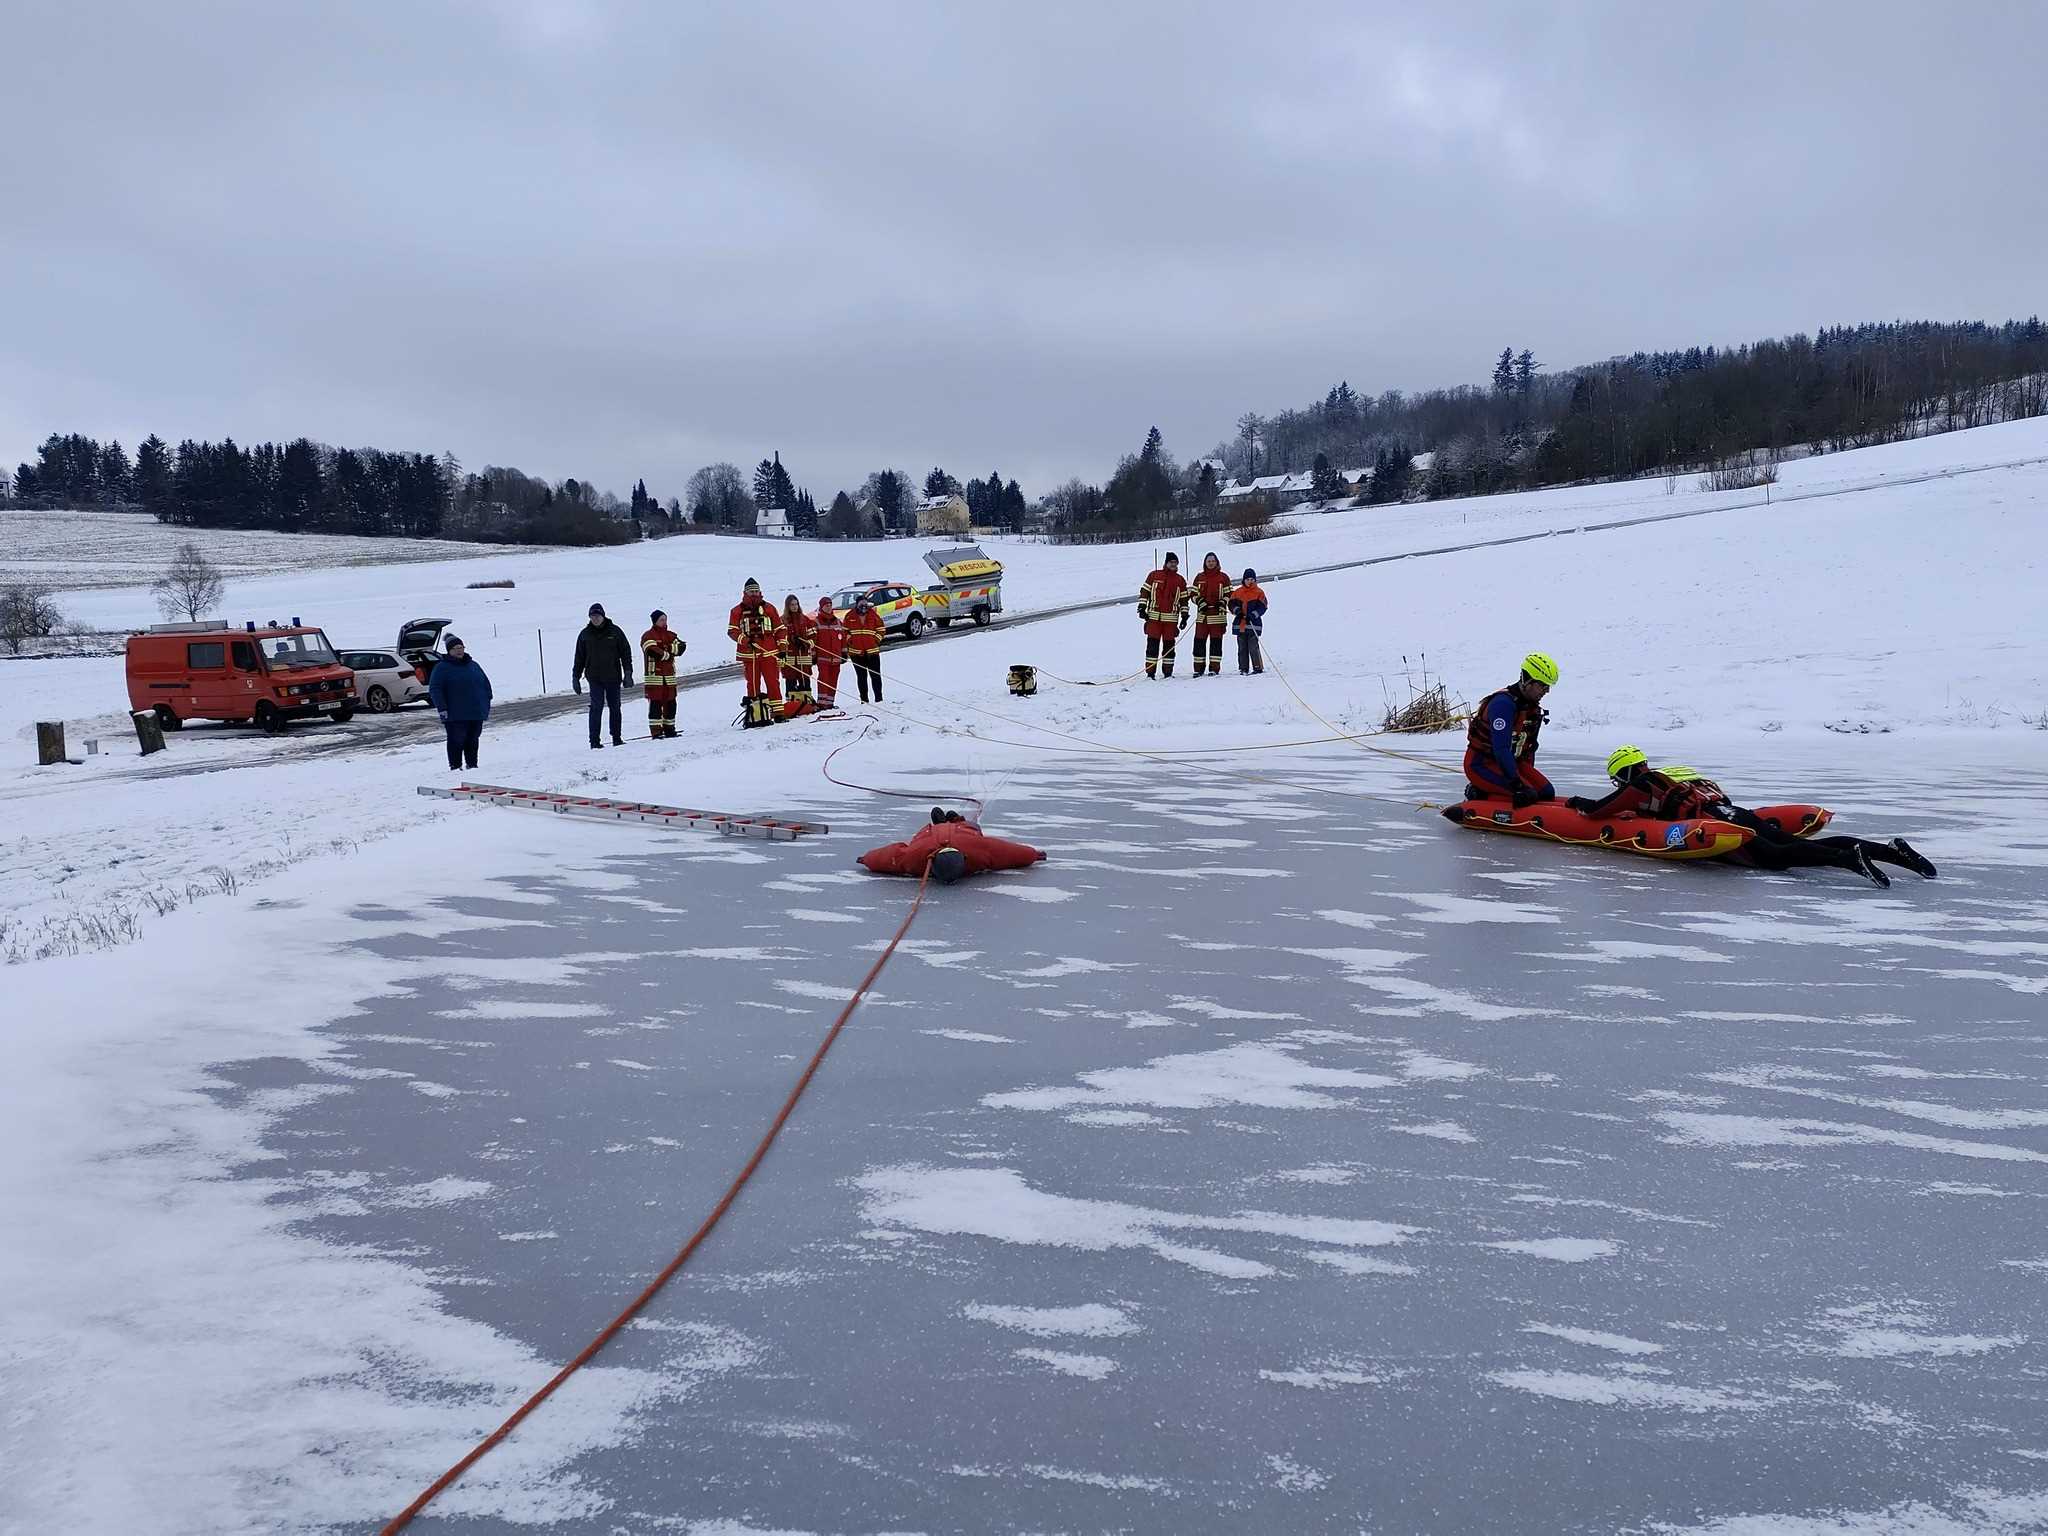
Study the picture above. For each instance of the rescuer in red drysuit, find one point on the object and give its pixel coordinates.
(953, 846)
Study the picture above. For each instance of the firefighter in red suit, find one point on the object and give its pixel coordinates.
(756, 636)
(952, 846)
(864, 645)
(797, 629)
(1163, 605)
(660, 648)
(828, 641)
(1210, 597)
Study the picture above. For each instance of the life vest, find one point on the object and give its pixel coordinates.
(1527, 724)
(1212, 599)
(863, 633)
(753, 627)
(796, 640)
(659, 649)
(1164, 597)
(828, 636)
(1686, 799)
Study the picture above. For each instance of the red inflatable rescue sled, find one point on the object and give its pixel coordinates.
(1698, 838)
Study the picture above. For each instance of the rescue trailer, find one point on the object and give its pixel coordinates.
(267, 675)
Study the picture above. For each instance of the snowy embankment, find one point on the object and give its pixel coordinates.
(252, 1378)
(1907, 607)
(516, 632)
(70, 550)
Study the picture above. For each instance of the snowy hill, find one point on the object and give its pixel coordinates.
(1514, 1145)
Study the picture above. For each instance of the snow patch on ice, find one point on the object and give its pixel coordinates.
(1561, 1250)
(972, 1037)
(1290, 1476)
(1088, 1367)
(445, 1190)
(1618, 1343)
(1705, 1130)
(998, 1203)
(1268, 1075)
(510, 1008)
(1438, 907)
(1627, 1391)
(1090, 1320)
(817, 915)
(1441, 1130)
(1421, 1065)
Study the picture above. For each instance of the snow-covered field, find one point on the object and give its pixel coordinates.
(696, 579)
(74, 550)
(196, 1352)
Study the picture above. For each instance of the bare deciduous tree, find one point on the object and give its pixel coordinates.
(26, 613)
(190, 586)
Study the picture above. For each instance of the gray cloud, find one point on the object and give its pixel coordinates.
(621, 240)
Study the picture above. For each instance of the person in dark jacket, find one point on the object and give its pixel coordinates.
(1248, 621)
(605, 656)
(461, 694)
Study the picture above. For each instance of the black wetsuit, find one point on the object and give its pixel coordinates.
(1772, 847)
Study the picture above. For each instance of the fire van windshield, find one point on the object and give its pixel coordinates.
(307, 650)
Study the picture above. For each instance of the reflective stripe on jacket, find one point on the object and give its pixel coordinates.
(659, 649)
(796, 640)
(863, 633)
(1163, 599)
(753, 628)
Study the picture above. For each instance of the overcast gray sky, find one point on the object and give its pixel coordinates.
(624, 240)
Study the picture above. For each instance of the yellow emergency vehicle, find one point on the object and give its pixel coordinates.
(969, 587)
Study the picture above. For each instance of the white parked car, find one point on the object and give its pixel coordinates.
(384, 680)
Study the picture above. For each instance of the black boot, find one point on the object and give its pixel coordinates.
(1870, 871)
(1912, 858)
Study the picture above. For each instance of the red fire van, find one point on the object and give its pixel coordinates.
(268, 675)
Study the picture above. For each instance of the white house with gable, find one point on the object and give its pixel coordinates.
(773, 523)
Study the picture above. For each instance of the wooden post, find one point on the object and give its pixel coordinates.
(49, 742)
(149, 731)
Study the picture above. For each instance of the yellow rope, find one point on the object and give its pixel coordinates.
(1357, 739)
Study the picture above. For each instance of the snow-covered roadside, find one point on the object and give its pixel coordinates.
(1912, 610)
(696, 579)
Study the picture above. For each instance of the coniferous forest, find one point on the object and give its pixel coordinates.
(1525, 427)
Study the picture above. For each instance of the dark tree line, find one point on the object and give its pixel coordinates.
(308, 487)
(1845, 387)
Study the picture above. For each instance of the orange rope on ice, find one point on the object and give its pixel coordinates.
(633, 1308)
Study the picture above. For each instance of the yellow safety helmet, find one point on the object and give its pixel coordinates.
(1539, 666)
(1625, 757)
(1678, 773)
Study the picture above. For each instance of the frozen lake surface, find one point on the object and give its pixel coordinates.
(1300, 1165)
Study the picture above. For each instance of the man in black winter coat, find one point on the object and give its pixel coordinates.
(605, 657)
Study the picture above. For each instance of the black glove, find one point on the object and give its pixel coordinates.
(576, 684)
(1579, 803)
(1523, 797)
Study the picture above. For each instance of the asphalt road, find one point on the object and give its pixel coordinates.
(1298, 1164)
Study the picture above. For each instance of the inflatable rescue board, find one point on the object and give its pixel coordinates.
(1698, 838)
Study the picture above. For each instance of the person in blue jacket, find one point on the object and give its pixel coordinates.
(1500, 744)
(462, 694)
